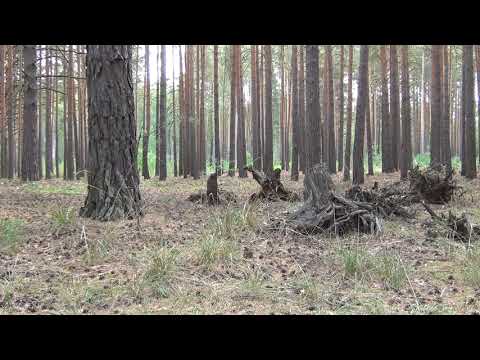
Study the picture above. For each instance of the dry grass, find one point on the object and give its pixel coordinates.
(194, 259)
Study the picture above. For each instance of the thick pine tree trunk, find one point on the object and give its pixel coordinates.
(113, 191)
(174, 118)
(358, 170)
(255, 108)
(29, 154)
(10, 99)
(241, 151)
(312, 87)
(445, 125)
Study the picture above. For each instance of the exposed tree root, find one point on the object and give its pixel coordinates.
(272, 187)
(459, 228)
(435, 184)
(325, 210)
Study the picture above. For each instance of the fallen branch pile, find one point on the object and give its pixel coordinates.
(387, 201)
(272, 187)
(459, 228)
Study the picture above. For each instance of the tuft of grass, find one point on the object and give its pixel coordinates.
(391, 271)
(160, 270)
(62, 219)
(212, 249)
(11, 234)
(471, 267)
(252, 286)
(356, 262)
(430, 309)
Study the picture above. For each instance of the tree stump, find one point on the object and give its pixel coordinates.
(272, 187)
(213, 196)
(326, 211)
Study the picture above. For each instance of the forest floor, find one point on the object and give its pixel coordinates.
(186, 258)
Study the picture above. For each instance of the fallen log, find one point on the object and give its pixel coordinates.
(272, 187)
(459, 228)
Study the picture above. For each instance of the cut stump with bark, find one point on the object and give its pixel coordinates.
(213, 196)
(272, 187)
(326, 211)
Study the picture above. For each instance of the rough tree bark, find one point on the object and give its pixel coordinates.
(362, 99)
(113, 191)
(394, 106)
(340, 110)
(312, 87)
(162, 165)
(233, 77)
(268, 152)
(295, 119)
(470, 146)
(406, 153)
(29, 154)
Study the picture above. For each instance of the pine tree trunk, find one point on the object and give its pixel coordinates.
(445, 126)
(436, 111)
(162, 171)
(332, 160)
(255, 108)
(312, 87)
(368, 126)
(174, 118)
(3, 122)
(470, 146)
(10, 99)
(295, 120)
(113, 191)
(340, 111)
(241, 155)
(48, 121)
(394, 106)
(146, 115)
(216, 118)
(301, 109)
(233, 80)
(348, 140)
(39, 116)
(358, 170)
(387, 145)
(57, 138)
(406, 149)
(268, 152)
(29, 154)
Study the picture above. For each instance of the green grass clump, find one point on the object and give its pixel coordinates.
(471, 268)
(391, 271)
(62, 219)
(160, 270)
(356, 262)
(11, 234)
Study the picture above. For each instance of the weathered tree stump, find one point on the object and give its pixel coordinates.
(435, 184)
(213, 196)
(326, 211)
(459, 228)
(272, 187)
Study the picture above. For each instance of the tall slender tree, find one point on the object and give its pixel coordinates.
(241, 151)
(268, 152)
(470, 146)
(446, 153)
(330, 121)
(406, 150)
(295, 120)
(340, 97)
(436, 112)
(387, 143)
(233, 78)
(162, 171)
(146, 115)
(348, 140)
(301, 108)
(394, 106)
(362, 97)
(216, 119)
